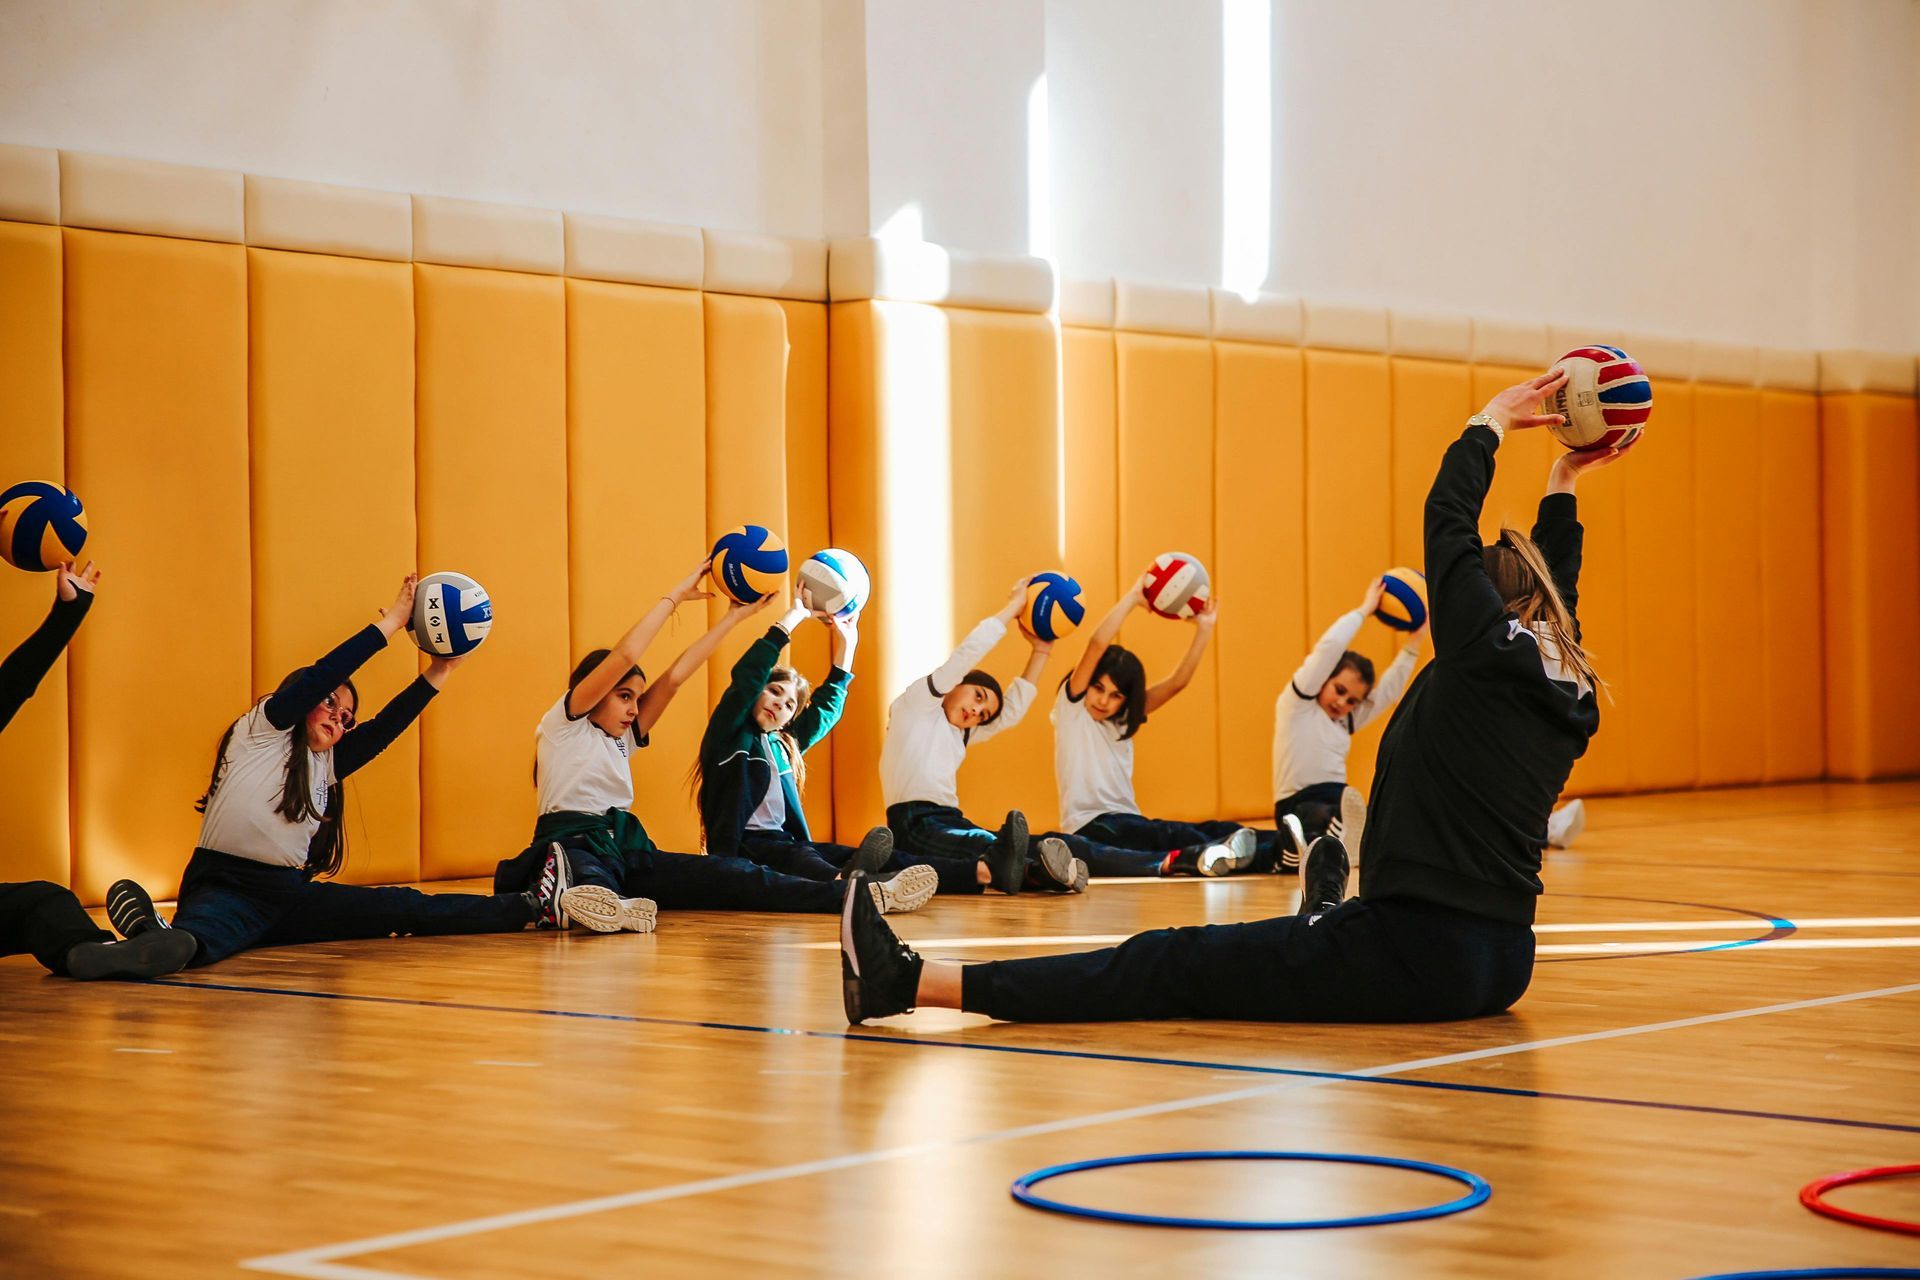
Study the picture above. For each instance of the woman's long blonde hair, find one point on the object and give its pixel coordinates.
(1524, 580)
(802, 692)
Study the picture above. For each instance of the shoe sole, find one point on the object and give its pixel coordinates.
(1007, 869)
(1081, 875)
(874, 852)
(1215, 860)
(602, 910)
(1297, 834)
(910, 890)
(155, 953)
(849, 958)
(1243, 848)
(1575, 825)
(1353, 821)
(1056, 862)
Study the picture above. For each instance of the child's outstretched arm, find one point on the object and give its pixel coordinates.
(1393, 681)
(978, 644)
(1324, 659)
(369, 738)
(1018, 695)
(653, 703)
(830, 695)
(1557, 530)
(26, 666)
(626, 655)
(1203, 623)
(309, 685)
(1103, 636)
(751, 671)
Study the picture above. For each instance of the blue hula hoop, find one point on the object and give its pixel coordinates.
(1477, 1191)
(1821, 1273)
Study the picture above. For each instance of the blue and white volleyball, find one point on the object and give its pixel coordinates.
(1054, 607)
(41, 525)
(836, 582)
(749, 562)
(452, 614)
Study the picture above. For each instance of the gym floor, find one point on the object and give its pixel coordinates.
(1727, 1007)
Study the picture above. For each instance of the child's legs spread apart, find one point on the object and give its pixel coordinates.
(778, 851)
(230, 904)
(47, 920)
(691, 882)
(342, 912)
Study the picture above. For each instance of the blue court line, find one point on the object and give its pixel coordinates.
(1034, 1051)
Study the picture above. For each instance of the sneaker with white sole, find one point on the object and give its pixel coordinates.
(879, 974)
(875, 852)
(551, 886)
(602, 910)
(1353, 820)
(1242, 848)
(908, 889)
(1077, 881)
(1198, 860)
(1296, 845)
(1566, 823)
(1323, 878)
(1052, 865)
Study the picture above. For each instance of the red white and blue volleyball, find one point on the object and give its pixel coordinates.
(1178, 585)
(1606, 399)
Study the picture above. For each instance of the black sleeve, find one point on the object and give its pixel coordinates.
(366, 740)
(1559, 535)
(309, 685)
(28, 665)
(1461, 598)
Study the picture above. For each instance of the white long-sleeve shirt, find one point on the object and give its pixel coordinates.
(1309, 746)
(922, 756)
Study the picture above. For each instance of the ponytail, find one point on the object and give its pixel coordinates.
(1521, 575)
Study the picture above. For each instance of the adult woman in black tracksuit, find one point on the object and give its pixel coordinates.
(1468, 771)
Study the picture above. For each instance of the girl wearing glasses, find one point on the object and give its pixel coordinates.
(272, 829)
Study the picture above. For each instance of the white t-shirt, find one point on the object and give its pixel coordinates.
(923, 751)
(772, 813)
(1093, 764)
(579, 766)
(1309, 746)
(243, 816)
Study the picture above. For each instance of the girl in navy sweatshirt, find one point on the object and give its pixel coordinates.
(1467, 775)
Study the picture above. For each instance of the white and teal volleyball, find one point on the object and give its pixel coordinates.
(836, 582)
(452, 614)
(749, 561)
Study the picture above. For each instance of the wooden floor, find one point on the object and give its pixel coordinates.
(692, 1104)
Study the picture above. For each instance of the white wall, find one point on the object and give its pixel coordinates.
(705, 112)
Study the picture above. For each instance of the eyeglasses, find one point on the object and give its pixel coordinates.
(336, 705)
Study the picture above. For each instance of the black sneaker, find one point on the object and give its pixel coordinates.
(130, 909)
(1294, 845)
(875, 852)
(1323, 878)
(547, 891)
(1007, 864)
(155, 953)
(879, 974)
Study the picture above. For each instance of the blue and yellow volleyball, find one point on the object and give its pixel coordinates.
(1053, 607)
(749, 562)
(1403, 599)
(41, 525)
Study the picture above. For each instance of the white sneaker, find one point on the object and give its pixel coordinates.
(1079, 876)
(1296, 844)
(602, 910)
(1241, 846)
(1353, 820)
(1566, 823)
(908, 890)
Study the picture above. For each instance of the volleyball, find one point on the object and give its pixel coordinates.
(749, 562)
(835, 581)
(1606, 400)
(41, 525)
(1177, 585)
(452, 614)
(1053, 606)
(1403, 599)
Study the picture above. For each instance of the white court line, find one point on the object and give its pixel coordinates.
(1758, 948)
(319, 1263)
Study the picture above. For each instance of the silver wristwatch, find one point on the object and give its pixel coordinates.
(1488, 421)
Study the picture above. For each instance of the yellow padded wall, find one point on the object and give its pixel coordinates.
(1871, 470)
(746, 448)
(860, 454)
(33, 749)
(1727, 556)
(156, 365)
(1165, 413)
(1003, 397)
(490, 410)
(1260, 557)
(1520, 466)
(1090, 448)
(1432, 400)
(1790, 618)
(809, 523)
(330, 391)
(1349, 428)
(637, 507)
(1661, 668)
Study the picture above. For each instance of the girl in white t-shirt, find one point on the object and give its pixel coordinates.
(1097, 712)
(273, 828)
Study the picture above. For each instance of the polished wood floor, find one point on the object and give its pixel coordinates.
(691, 1103)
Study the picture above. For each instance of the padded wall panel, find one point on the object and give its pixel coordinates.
(636, 515)
(34, 843)
(1791, 608)
(490, 410)
(859, 457)
(746, 448)
(1432, 400)
(1165, 415)
(809, 525)
(1662, 668)
(1260, 556)
(330, 394)
(1727, 564)
(156, 381)
(1871, 473)
(1349, 508)
(1003, 397)
(1520, 468)
(1091, 448)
